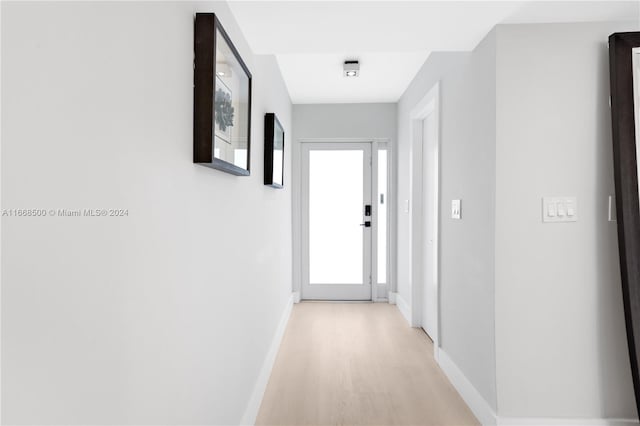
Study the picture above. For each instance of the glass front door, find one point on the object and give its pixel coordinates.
(338, 221)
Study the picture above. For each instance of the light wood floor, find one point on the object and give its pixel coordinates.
(358, 364)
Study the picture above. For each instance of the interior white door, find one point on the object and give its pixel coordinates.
(337, 224)
(430, 225)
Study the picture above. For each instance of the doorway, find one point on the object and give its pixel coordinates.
(424, 246)
(429, 319)
(344, 220)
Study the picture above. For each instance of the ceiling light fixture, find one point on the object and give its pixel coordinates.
(351, 68)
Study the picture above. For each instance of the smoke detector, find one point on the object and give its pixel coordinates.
(351, 68)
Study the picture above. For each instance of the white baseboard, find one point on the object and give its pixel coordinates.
(478, 405)
(251, 412)
(487, 416)
(391, 296)
(296, 297)
(404, 307)
(545, 421)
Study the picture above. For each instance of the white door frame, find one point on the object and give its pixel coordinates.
(429, 105)
(297, 219)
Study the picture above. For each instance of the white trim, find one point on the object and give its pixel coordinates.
(392, 235)
(487, 416)
(296, 216)
(253, 406)
(541, 421)
(0, 221)
(403, 307)
(430, 104)
(296, 296)
(297, 206)
(342, 140)
(478, 405)
(391, 297)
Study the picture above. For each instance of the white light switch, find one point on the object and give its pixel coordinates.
(456, 209)
(571, 211)
(405, 206)
(612, 208)
(559, 209)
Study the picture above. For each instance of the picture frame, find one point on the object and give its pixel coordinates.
(624, 74)
(273, 151)
(221, 100)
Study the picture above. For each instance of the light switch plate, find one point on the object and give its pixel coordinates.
(612, 209)
(456, 209)
(559, 209)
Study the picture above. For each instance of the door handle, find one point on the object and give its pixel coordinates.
(366, 224)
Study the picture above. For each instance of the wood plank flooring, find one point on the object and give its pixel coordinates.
(358, 364)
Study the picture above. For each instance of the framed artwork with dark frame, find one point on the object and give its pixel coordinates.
(273, 151)
(221, 100)
(624, 67)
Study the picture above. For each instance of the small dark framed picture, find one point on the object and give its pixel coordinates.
(222, 100)
(273, 151)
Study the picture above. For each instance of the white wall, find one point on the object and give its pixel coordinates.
(467, 137)
(161, 317)
(339, 121)
(560, 333)
(333, 121)
(526, 115)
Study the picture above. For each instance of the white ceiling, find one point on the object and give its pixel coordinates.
(392, 39)
(317, 78)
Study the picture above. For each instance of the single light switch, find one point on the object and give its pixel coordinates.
(571, 211)
(405, 206)
(561, 209)
(456, 209)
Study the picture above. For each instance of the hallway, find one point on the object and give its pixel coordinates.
(358, 363)
(178, 175)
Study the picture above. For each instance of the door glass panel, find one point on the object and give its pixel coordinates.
(382, 216)
(335, 214)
